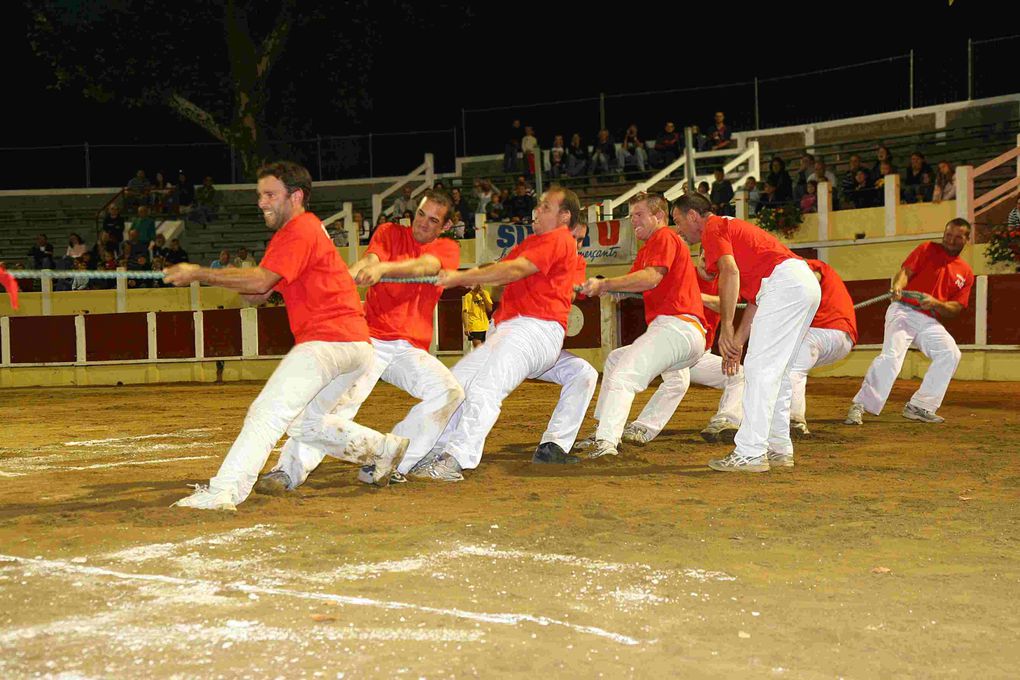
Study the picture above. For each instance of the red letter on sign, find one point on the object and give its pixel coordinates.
(609, 233)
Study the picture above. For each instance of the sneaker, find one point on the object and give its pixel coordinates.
(635, 434)
(586, 443)
(719, 431)
(393, 450)
(206, 498)
(855, 416)
(777, 459)
(275, 483)
(737, 463)
(921, 415)
(366, 475)
(551, 453)
(799, 429)
(603, 448)
(442, 467)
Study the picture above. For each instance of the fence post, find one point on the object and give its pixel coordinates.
(47, 294)
(80, 350)
(824, 210)
(757, 120)
(88, 169)
(538, 170)
(740, 198)
(965, 194)
(892, 203)
(970, 69)
(463, 130)
(430, 170)
(981, 310)
(121, 292)
(690, 173)
(911, 79)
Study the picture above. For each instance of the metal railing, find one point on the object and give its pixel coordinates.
(425, 172)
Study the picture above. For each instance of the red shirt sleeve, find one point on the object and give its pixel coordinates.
(715, 241)
(380, 243)
(916, 257)
(288, 252)
(545, 253)
(446, 251)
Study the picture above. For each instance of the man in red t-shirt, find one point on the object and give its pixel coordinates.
(331, 347)
(782, 297)
(399, 319)
(530, 325)
(941, 283)
(663, 273)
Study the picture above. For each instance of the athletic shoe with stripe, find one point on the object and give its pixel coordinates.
(603, 448)
(635, 434)
(442, 467)
(273, 483)
(586, 443)
(799, 429)
(720, 430)
(777, 459)
(205, 498)
(367, 474)
(855, 416)
(737, 463)
(922, 415)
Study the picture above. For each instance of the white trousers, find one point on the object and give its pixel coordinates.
(402, 365)
(578, 379)
(821, 347)
(521, 348)
(906, 327)
(787, 301)
(708, 371)
(669, 344)
(297, 399)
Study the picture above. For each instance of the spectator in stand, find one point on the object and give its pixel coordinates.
(113, 224)
(175, 254)
(768, 197)
(603, 154)
(822, 174)
(721, 195)
(457, 225)
(809, 201)
(917, 180)
(158, 265)
(404, 202)
(108, 264)
(667, 147)
(467, 214)
(144, 225)
(945, 183)
(557, 158)
(807, 168)
(720, 137)
(158, 192)
(885, 169)
(527, 185)
(882, 153)
(577, 157)
(779, 178)
(863, 195)
(520, 206)
(75, 247)
(704, 191)
(848, 181)
(159, 248)
(206, 203)
(632, 151)
(483, 191)
(185, 193)
(366, 228)
(139, 263)
(753, 196)
(81, 281)
(529, 149)
(494, 211)
(244, 259)
(513, 143)
(223, 261)
(136, 192)
(1013, 220)
(42, 253)
(133, 248)
(102, 246)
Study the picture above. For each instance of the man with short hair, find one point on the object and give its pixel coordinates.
(223, 261)
(934, 283)
(331, 347)
(667, 147)
(206, 202)
(42, 253)
(783, 296)
(133, 247)
(113, 224)
(244, 259)
(823, 174)
(664, 274)
(530, 323)
(175, 254)
(721, 194)
(520, 206)
(807, 168)
(404, 203)
(476, 306)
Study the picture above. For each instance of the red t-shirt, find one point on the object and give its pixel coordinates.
(581, 271)
(943, 276)
(547, 293)
(322, 302)
(711, 318)
(756, 251)
(836, 310)
(678, 293)
(403, 311)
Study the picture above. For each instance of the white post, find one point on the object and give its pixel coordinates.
(940, 124)
(434, 342)
(610, 325)
(981, 311)
(593, 217)
(150, 324)
(249, 332)
(196, 296)
(47, 294)
(607, 209)
(755, 162)
(480, 238)
(5, 341)
(199, 335)
(965, 194)
(430, 171)
(824, 210)
(809, 140)
(892, 203)
(376, 208)
(121, 292)
(740, 197)
(353, 235)
(79, 339)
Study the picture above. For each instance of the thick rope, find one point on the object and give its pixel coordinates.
(116, 274)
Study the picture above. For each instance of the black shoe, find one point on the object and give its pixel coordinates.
(548, 452)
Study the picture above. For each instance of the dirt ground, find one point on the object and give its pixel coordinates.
(891, 550)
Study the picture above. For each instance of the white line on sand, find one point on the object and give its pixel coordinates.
(79, 468)
(156, 551)
(483, 617)
(178, 433)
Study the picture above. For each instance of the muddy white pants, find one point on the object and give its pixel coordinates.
(787, 301)
(669, 344)
(906, 327)
(708, 371)
(297, 399)
(521, 348)
(402, 365)
(821, 347)
(578, 379)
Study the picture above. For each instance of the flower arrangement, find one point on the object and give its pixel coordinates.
(1004, 245)
(784, 219)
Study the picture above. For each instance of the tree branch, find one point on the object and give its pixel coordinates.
(274, 43)
(196, 114)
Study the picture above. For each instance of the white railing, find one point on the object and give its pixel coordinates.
(610, 204)
(425, 172)
(1004, 191)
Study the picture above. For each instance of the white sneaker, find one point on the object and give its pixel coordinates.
(586, 443)
(392, 453)
(799, 429)
(635, 434)
(275, 483)
(603, 448)
(777, 459)
(922, 415)
(737, 463)
(855, 416)
(719, 431)
(366, 475)
(206, 498)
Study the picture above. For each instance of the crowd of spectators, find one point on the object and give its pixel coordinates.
(165, 198)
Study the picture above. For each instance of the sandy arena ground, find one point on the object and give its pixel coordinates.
(891, 550)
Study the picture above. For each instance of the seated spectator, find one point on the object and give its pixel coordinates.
(809, 201)
(603, 154)
(136, 192)
(80, 281)
(768, 197)
(1013, 220)
(185, 193)
(207, 202)
(223, 261)
(483, 191)
(945, 183)
(667, 147)
(175, 254)
(42, 253)
(158, 192)
(529, 149)
(366, 229)
(577, 157)
(863, 195)
(557, 159)
(807, 168)
(144, 225)
(158, 265)
(720, 136)
(822, 174)
(848, 180)
(520, 206)
(917, 184)
(494, 211)
(140, 263)
(404, 202)
(158, 248)
(882, 154)
(244, 259)
(461, 206)
(133, 248)
(703, 190)
(75, 247)
(527, 185)
(113, 224)
(632, 151)
(721, 194)
(103, 244)
(779, 178)
(753, 196)
(457, 225)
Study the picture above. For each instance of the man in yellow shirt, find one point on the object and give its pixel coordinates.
(475, 310)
